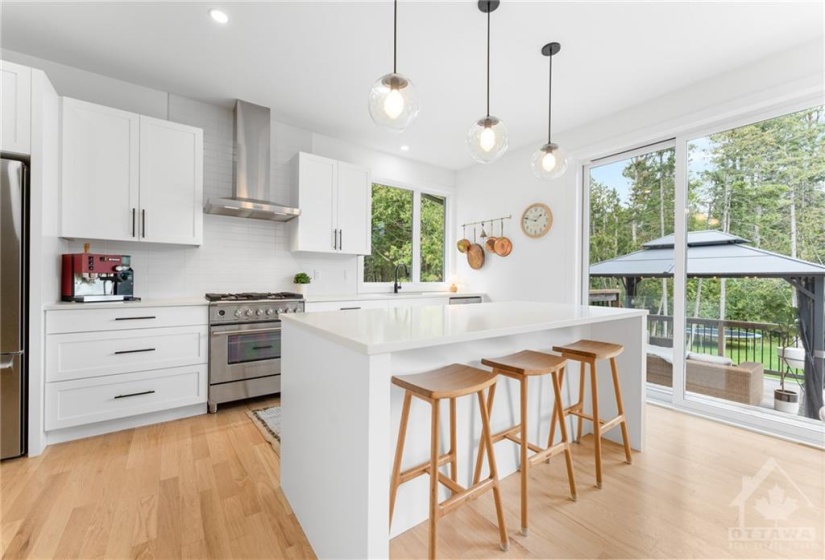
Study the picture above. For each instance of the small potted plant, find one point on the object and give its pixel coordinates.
(787, 400)
(301, 283)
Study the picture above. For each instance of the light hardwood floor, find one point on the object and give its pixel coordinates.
(207, 487)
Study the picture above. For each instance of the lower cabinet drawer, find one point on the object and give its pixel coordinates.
(83, 401)
(82, 355)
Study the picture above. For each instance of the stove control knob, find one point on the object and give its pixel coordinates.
(249, 313)
(269, 311)
(237, 313)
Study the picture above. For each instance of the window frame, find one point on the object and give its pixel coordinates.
(415, 285)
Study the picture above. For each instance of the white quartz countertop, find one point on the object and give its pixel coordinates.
(170, 302)
(388, 295)
(376, 331)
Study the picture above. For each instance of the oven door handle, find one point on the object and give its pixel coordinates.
(251, 331)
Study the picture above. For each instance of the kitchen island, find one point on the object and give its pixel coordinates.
(340, 413)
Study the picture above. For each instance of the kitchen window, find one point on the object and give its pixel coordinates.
(408, 227)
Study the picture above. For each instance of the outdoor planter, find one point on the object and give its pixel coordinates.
(794, 357)
(785, 400)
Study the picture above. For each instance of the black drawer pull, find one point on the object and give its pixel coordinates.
(134, 318)
(135, 351)
(261, 347)
(134, 394)
(349, 308)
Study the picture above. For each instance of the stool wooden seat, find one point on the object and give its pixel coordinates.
(587, 352)
(449, 382)
(521, 366)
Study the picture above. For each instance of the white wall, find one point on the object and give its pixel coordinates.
(549, 269)
(237, 254)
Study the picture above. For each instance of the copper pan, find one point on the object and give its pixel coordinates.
(463, 243)
(475, 254)
(503, 246)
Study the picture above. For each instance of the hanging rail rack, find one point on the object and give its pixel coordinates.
(510, 217)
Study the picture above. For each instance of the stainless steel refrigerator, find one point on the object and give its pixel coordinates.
(13, 303)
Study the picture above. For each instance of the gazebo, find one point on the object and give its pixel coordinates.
(715, 254)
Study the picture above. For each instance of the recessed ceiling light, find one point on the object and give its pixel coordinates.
(218, 16)
(405, 148)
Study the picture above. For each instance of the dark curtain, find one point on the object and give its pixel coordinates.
(808, 309)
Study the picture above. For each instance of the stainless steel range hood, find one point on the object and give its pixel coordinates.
(250, 194)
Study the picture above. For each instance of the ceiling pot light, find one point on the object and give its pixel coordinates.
(487, 137)
(393, 103)
(405, 148)
(549, 161)
(218, 16)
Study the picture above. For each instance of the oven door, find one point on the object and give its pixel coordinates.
(238, 352)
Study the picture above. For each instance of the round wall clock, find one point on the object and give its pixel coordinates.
(536, 220)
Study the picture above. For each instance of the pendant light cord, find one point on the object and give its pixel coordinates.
(550, 101)
(488, 59)
(394, 35)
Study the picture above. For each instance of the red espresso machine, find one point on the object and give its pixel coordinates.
(90, 277)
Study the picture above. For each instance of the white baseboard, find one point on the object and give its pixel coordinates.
(99, 428)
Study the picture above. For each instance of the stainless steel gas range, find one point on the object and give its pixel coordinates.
(245, 344)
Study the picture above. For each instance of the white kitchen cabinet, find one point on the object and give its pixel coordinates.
(107, 364)
(171, 182)
(16, 107)
(84, 401)
(128, 177)
(335, 202)
(99, 192)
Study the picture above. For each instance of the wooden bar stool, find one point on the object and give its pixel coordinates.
(449, 382)
(521, 366)
(587, 352)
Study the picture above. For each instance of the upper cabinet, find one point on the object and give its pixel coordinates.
(129, 177)
(16, 102)
(334, 198)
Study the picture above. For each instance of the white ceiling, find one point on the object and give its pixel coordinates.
(313, 62)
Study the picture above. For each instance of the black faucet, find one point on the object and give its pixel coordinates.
(396, 286)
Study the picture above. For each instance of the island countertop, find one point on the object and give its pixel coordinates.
(376, 331)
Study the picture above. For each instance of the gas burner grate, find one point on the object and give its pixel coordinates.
(253, 296)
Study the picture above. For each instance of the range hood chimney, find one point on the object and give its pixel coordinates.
(250, 193)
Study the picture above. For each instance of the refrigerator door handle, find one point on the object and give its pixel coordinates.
(7, 359)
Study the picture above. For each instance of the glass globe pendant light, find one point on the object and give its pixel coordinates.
(549, 161)
(487, 137)
(393, 103)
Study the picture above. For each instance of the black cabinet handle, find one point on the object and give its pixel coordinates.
(348, 308)
(143, 222)
(133, 222)
(133, 394)
(135, 351)
(261, 347)
(135, 318)
(340, 240)
(335, 239)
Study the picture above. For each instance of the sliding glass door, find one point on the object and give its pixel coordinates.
(720, 235)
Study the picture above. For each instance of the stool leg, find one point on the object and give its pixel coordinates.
(491, 392)
(433, 476)
(553, 416)
(580, 403)
(525, 464)
(597, 426)
(558, 411)
(625, 436)
(453, 450)
(491, 459)
(399, 450)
